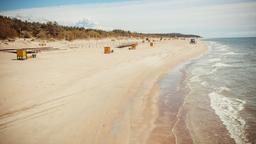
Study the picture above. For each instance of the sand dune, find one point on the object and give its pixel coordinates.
(79, 95)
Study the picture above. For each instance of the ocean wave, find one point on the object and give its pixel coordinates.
(212, 44)
(222, 89)
(195, 79)
(222, 48)
(217, 46)
(214, 60)
(228, 111)
(204, 83)
(212, 71)
(221, 65)
(230, 53)
(198, 71)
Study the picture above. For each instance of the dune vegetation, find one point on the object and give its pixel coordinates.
(15, 28)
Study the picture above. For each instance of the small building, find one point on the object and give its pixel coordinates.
(133, 46)
(107, 50)
(21, 54)
(192, 41)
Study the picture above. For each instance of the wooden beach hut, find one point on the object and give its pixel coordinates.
(21, 54)
(133, 46)
(107, 50)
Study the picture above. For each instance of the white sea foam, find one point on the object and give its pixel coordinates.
(221, 65)
(228, 111)
(213, 71)
(204, 83)
(221, 89)
(198, 71)
(212, 44)
(216, 46)
(214, 60)
(230, 53)
(195, 79)
(221, 47)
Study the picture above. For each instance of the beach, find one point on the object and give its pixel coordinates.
(78, 94)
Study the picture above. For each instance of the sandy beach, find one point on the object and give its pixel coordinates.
(78, 94)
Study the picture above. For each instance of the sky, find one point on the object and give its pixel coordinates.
(208, 18)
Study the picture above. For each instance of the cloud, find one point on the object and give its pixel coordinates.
(85, 23)
(204, 17)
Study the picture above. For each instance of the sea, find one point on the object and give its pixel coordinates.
(212, 99)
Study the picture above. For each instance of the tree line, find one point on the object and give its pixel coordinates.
(15, 28)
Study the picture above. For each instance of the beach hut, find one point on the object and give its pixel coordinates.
(107, 50)
(192, 41)
(133, 47)
(21, 54)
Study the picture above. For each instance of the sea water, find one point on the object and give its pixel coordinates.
(212, 99)
(220, 105)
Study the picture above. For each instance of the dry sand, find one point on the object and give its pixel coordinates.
(79, 95)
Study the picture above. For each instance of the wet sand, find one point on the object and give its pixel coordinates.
(80, 95)
(171, 99)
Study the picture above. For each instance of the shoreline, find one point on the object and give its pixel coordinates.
(174, 76)
(111, 106)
